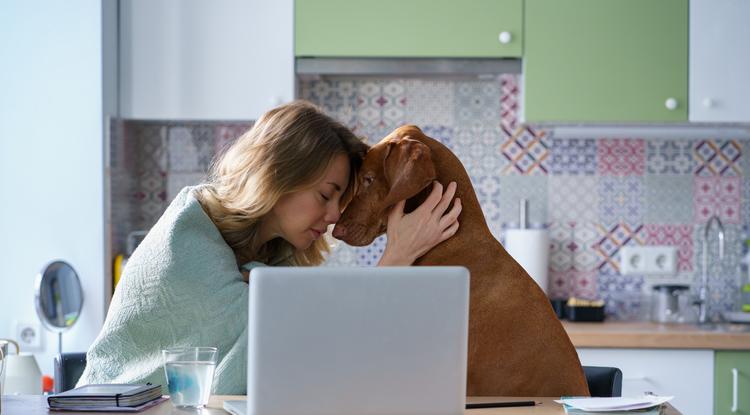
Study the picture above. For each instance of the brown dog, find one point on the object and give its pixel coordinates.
(517, 346)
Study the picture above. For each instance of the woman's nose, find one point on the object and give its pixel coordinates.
(333, 214)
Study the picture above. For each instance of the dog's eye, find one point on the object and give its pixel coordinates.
(368, 180)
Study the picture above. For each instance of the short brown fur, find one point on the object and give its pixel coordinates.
(517, 346)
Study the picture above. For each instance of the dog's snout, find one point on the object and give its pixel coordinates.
(339, 231)
(354, 234)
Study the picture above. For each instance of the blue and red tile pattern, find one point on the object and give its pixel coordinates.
(594, 195)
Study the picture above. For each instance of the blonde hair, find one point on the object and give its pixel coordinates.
(288, 149)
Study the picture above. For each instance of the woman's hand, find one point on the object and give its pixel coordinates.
(411, 235)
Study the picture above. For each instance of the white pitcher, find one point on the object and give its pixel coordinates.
(20, 374)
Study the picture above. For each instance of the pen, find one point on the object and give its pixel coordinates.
(498, 404)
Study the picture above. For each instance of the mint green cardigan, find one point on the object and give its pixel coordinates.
(181, 287)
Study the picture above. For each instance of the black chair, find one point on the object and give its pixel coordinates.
(68, 369)
(604, 382)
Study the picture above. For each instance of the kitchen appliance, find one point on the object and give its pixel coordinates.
(4, 352)
(671, 303)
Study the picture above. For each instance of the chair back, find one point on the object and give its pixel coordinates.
(68, 369)
(604, 382)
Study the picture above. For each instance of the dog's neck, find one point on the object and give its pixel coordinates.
(473, 227)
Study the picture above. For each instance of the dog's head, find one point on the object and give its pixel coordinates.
(395, 169)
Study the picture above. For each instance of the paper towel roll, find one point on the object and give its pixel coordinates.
(530, 247)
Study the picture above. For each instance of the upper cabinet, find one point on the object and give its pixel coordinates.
(606, 61)
(719, 60)
(197, 59)
(414, 28)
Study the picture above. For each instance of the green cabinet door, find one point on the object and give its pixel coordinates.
(605, 60)
(408, 28)
(732, 383)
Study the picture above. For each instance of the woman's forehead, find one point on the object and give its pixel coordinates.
(338, 172)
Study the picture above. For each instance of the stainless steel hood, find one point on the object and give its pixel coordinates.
(405, 66)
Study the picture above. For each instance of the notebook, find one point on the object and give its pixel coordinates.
(381, 340)
(107, 397)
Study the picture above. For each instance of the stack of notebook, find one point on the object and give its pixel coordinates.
(112, 397)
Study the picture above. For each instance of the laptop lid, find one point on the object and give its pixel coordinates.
(381, 340)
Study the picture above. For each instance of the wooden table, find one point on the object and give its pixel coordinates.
(37, 404)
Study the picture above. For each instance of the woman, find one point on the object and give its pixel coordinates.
(268, 201)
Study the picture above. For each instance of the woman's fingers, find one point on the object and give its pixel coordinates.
(397, 211)
(452, 216)
(433, 199)
(445, 201)
(449, 232)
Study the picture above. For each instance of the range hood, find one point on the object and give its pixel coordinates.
(405, 66)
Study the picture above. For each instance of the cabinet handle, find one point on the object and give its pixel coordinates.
(735, 375)
(504, 37)
(671, 104)
(708, 102)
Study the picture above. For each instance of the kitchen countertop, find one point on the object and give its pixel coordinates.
(647, 335)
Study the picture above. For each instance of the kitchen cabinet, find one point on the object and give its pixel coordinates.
(732, 383)
(414, 28)
(719, 61)
(685, 374)
(605, 61)
(205, 60)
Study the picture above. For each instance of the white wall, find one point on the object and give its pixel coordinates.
(51, 159)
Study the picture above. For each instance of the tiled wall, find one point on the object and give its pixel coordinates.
(151, 161)
(595, 194)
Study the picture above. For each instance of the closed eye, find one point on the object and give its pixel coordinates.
(325, 197)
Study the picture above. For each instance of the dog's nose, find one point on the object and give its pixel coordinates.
(339, 231)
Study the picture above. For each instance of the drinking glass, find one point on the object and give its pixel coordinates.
(190, 373)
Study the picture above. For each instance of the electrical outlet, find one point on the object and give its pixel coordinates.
(29, 336)
(648, 260)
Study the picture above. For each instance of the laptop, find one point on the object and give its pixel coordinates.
(366, 341)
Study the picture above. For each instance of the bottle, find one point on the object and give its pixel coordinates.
(744, 271)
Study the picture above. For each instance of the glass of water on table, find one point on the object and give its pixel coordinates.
(190, 373)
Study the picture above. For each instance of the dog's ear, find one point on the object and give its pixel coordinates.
(408, 168)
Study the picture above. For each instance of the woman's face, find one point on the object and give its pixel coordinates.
(302, 217)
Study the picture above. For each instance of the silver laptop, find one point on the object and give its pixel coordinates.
(366, 341)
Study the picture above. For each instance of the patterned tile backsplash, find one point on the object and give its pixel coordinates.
(594, 195)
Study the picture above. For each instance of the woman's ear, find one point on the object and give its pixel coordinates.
(408, 168)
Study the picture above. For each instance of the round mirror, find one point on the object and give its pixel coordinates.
(59, 297)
